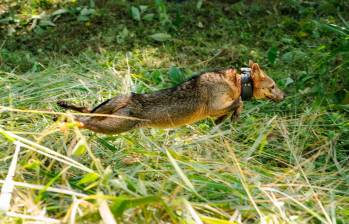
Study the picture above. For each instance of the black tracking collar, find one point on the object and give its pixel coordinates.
(246, 84)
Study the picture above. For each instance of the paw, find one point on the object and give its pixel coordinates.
(235, 116)
(220, 119)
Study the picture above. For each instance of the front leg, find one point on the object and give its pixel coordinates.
(221, 119)
(233, 110)
(236, 113)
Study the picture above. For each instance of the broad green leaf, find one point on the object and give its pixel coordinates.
(87, 12)
(136, 15)
(160, 36)
(122, 203)
(272, 54)
(210, 220)
(176, 75)
(148, 16)
(89, 178)
(79, 149)
(6, 20)
(59, 12)
(199, 4)
(156, 76)
(46, 22)
(289, 81)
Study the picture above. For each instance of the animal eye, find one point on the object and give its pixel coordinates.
(273, 86)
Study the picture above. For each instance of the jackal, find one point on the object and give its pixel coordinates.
(217, 94)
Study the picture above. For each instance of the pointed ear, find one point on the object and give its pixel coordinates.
(256, 71)
(255, 68)
(250, 63)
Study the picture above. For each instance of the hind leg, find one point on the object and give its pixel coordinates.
(108, 125)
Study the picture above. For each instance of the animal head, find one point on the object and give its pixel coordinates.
(263, 86)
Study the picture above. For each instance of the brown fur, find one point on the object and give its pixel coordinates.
(210, 94)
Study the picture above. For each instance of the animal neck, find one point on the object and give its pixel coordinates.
(246, 84)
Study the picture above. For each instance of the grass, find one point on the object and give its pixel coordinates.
(281, 163)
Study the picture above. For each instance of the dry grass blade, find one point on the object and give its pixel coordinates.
(7, 187)
(299, 167)
(192, 212)
(105, 212)
(49, 189)
(310, 211)
(259, 138)
(46, 151)
(226, 172)
(243, 179)
(36, 219)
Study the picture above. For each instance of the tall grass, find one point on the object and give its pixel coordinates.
(288, 170)
(281, 163)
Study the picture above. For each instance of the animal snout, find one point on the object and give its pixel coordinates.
(284, 95)
(280, 96)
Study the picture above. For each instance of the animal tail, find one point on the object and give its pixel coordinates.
(66, 105)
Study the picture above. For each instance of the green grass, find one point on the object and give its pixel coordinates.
(281, 163)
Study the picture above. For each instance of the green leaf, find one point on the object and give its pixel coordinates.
(337, 29)
(143, 8)
(7, 136)
(199, 4)
(107, 145)
(180, 172)
(87, 12)
(136, 15)
(121, 37)
(89, 178)
(160, 37)
(122, 203)
(83, 18)
(156, 76)
(6, 20)
(59, 12)
(272, 54)
(148, 17)
(287, 57)
(176, 75)
(79, 149)
(46, 22)
(211, 220)
(289, 81)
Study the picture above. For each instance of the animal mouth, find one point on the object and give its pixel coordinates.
(270, 98)
(278, 99)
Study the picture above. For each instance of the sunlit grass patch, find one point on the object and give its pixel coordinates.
(157, 173)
